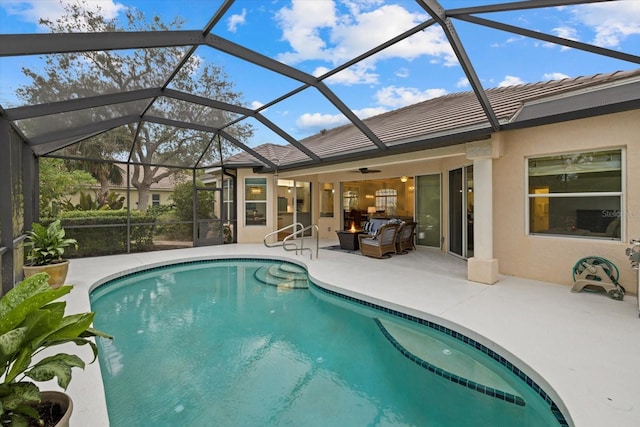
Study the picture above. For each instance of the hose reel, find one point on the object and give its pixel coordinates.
(592, 272)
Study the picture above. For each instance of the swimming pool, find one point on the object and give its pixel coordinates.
(209, 343)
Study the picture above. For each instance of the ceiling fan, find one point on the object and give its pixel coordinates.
(367, 170)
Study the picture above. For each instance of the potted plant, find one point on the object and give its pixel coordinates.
(45, 248)
(31, 321)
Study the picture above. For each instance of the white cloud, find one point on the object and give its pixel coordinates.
(235, 20)
(554, 76)
(320, 121)
(612, 22)
(256, 104)
(34, 10)
(369, 112)
(463, 82)
(403, 73)
(396, 97)
(510, 81)
(317, 31)
(565, 32)
(357, 74)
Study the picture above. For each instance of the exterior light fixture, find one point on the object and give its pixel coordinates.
(404, 178)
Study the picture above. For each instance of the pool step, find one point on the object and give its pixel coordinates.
(448, 362)
(283, 276)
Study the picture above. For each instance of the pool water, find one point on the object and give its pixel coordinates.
(207, 344)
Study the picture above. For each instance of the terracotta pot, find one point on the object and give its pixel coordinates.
(63, 400)
(57, 272)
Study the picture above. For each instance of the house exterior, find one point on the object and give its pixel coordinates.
(559, 181)
(159, 194)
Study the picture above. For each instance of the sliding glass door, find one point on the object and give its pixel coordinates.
(461, 211)
(428, 210)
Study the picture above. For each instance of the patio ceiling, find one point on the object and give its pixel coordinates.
(51, 127)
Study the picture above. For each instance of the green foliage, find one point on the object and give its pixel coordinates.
(46, 245)
(102, 201)
(182, 198)
(58, 182)
(104, 232)
(31, 320)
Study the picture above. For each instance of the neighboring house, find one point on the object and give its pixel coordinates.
(559, 181)
(160, 193)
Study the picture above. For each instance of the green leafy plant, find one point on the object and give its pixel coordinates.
(46, 245)
(31, 320)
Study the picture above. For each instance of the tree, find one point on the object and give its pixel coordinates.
(57, 182)
(79, 75)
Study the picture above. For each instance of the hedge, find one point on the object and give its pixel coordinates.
(105, 232)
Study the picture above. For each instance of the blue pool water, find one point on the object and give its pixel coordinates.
(211, 344)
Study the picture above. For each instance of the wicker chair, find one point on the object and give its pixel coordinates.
(405, 240)
(382, 244)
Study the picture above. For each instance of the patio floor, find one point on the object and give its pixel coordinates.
(583, 348)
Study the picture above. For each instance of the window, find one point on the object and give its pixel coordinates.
(326, 200)
(577, 194)
(387, 201)
(227, 199)
(255, 200)
(155, 200)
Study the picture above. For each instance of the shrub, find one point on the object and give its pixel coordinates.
(104, 232)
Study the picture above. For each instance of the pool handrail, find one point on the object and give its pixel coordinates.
(299, 231)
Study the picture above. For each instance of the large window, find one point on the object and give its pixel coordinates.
(387, 200)
(255, 196)
(576, 194)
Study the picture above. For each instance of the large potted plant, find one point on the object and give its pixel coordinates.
(45, 248)
(31, 322)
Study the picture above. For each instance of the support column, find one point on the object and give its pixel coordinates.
(483, 267)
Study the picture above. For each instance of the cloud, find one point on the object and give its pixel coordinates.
(396, 97)
(463, 82)
(310, 121)
(318, 31)
(402, 73)
(256, 104)
(554, 76)
(34, 10)
(318, 121)
(357, 74)
(510, 81)
(235, 20)
(565, 32)
(612, 22)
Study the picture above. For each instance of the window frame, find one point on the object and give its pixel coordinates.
(262, 201)
(528, 196)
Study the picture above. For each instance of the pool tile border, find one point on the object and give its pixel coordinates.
(559, 416)
(486, 390)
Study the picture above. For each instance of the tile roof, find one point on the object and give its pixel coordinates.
(451, 115)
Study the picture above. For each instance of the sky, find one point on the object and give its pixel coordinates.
(318, 35)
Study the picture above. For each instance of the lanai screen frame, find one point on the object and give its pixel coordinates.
(45, 145)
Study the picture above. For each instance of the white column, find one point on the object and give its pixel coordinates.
(483, 267)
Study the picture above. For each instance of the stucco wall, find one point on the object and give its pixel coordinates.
(551, 258)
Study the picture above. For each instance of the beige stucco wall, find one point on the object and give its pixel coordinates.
(551, 258)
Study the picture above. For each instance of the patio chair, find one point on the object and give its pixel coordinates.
(405, 240)
(383, 243)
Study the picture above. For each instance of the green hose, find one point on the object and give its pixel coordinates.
(595, 260)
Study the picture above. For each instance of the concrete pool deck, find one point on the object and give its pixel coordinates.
(582, 348)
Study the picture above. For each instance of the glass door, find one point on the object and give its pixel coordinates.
(302, 205)
(428, 210)
(461, 211)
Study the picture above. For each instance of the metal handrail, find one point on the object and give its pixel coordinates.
(302, 248)
(292, 246)
(273, 245)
